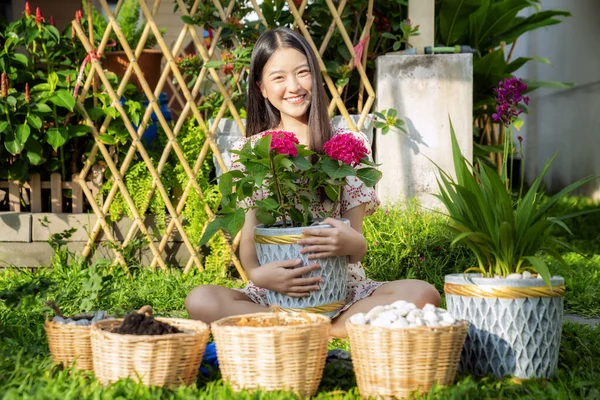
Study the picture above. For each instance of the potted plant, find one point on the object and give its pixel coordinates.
(279, 166)
(115, 59)
(512, 302)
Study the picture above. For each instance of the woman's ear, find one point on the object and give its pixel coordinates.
(262, 89)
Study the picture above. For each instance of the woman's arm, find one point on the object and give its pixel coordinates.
(281, 276)
(340, 240)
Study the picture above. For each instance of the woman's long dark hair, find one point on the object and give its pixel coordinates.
(261, 115)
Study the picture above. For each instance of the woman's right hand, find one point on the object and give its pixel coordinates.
(283, 278)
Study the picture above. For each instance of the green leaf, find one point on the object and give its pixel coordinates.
(541, 268)
(454, 19)
(53, 32)
(225, 184)
(268, 204)
(233, 223)
(21, 58)
(79, 130)
(63, 98)
(35, 121)
(301, 163)
(263, 146)
(52, 81)
(57, 137)
(265, 217)
(333, 192)
(15, 140)
(40, 87)
(111, 112)
(297, 216)
(369, 176)
(42, 108)
(388, 35)
(210, 230)
(3, 126)
(188, 20)
(392, 112)
(12, 101)
(337, 170)
(34, 151)
(519, 62)
(532, 85)
(214, 64)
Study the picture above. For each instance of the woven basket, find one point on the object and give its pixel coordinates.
(70, 344)
(392, 363)
(157, 360)
(273, 357)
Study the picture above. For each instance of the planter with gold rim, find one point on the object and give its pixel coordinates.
(515, 324)
(277, 244)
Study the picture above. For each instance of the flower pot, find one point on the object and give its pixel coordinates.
(276, 244)
(515, 324)
(149, 62)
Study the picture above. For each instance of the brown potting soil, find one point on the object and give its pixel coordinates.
(140, 324)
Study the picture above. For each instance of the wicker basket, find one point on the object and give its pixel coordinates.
(279, 357)
(157, 360)
(392, 363)
(70, 344)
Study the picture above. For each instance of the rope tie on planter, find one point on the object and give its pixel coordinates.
(282, 239)
(504, 292)
(318, 309)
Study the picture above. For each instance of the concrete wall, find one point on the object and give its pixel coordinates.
(427, 91)
(566, 121)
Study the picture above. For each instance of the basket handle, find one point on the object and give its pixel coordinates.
(146, 310)
(52, 304)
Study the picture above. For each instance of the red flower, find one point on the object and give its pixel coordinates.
(38, 16)
(4, 85)
(27, 9)
(27, 95)
(52, 21)
(284, 142)
(346, 148)
(228, 69)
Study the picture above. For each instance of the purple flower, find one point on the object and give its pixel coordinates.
(509, 94)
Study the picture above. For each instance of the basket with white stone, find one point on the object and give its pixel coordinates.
(399, 348)
(69, 338)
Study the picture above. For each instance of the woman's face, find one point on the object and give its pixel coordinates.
(287, 84)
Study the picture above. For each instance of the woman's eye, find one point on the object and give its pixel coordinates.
(304, 72)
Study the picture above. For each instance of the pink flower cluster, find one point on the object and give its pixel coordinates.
(284, 142)
(346, 148)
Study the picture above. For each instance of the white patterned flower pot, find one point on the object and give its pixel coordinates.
(515, 324)
(277, 244)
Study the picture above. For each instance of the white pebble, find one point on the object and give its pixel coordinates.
(399, 303)
(447, 317)
(389, 314)
(60, 320)
(372, 314)
(432, 323)
(400, 323)
(514, 276)
(413, 314)
(445, 323)
(82, 322)
(402, 312)
(382, 322)
(430, 315)
(526, 275)
(411, 306)
(429, 307)
(412, 325)
(419, 321)
(358, 319)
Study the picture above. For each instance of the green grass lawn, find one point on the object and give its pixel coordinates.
(402, 243)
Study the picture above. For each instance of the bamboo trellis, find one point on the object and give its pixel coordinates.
(189, 101)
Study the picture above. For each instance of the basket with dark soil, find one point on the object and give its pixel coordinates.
(157, 351)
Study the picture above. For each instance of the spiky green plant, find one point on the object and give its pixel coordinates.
(506, 235)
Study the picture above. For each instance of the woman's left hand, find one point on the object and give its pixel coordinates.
(339, 240)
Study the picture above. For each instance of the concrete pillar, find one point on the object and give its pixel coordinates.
(426, 90)
(422, 13)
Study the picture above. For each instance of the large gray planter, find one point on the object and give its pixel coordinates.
(515, 325)
(334, 270)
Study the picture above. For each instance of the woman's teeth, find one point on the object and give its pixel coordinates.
(295, 100)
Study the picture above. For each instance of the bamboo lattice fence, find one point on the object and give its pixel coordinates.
(189, 99)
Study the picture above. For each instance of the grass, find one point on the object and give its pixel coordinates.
(403, 242)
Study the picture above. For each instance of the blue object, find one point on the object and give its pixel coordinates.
(209, 360)
(151, 130)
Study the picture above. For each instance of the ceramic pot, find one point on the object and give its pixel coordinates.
(276, 244)
(515, 324)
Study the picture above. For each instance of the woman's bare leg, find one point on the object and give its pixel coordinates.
(414, 291)
(209, 303)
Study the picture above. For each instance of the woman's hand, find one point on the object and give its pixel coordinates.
(282, 277)
(339, 240)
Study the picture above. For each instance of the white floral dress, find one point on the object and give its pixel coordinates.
(354, 193)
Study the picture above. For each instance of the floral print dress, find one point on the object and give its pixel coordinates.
(354, 193)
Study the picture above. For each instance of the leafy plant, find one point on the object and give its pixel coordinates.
(388, 119)
(406, 29)
(506, 236)
(278, 166)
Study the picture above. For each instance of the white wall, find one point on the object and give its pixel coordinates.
(566, 121)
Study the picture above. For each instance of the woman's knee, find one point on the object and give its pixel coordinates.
(202, 301)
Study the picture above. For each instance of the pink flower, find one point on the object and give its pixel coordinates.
(27, 9)
(38, 16)
(284, 142)
(346, 148)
